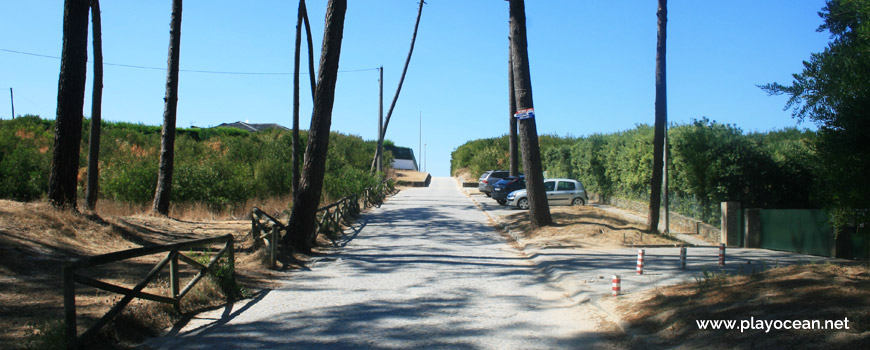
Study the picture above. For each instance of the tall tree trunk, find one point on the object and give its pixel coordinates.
(661, 115)
(167, 139)
(303, 216)
(96, 112)
(311, 76)
(296, 50)
(514, 149)
(70, 102)
(399, 88)
(297, 146)
(539, 209)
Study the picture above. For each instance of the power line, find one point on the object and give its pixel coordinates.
(185, 70)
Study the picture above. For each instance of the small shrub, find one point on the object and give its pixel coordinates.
(49, 335)
(224, 274)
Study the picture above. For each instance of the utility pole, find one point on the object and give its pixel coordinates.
(420, 146)
(380, 150)
(12, 101)
(667, 199)
(425, 157)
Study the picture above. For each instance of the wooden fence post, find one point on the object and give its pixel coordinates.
(273, 247)
(173, 281)
(231, 256)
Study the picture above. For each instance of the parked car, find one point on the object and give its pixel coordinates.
(559, 192)
(507, 185)
(489, 178)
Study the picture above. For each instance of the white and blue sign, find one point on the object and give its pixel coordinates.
(525, 113)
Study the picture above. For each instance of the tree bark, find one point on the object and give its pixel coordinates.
(303, 216)
(297, 147)
(539, 209)
(295, 120)
(661, 119)
(310, 50)
(512, 133)
(167, 139)
(70, 102)
(399, 88)
(96, 111)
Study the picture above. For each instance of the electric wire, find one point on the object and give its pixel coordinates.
(186, 70)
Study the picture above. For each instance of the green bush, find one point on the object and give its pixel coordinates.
(25, 157)
(220, 167)
(132, 181)
(347, 181)
(709, 163)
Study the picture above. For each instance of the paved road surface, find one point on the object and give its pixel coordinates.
(423, 271)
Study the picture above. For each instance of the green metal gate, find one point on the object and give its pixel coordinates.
(797, 230)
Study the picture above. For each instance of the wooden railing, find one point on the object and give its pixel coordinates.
(267, 229)
(71, 277)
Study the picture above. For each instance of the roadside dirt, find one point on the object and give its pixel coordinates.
(406, 177)
(667, 317)
(584, 227)
(36, 240)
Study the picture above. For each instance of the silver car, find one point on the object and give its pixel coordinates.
(559, 192)
(489, 178)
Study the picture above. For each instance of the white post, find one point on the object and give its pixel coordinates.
(640, 261)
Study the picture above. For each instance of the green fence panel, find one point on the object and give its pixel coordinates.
(797, 230)
(860, 244)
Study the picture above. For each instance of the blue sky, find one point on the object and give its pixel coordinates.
(592, 64)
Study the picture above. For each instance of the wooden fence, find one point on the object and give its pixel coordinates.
(71, 277)
(267, 229)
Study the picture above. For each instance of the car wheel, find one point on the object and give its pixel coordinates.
(578, 201)
(501, 201)
(487, 194)
(523, 203)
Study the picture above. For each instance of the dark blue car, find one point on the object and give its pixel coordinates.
(507, 185)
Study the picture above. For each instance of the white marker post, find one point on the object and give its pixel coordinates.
(617, 286)
(640, 262)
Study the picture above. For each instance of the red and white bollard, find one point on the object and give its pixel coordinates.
(682, 258)
(721, 254)
(640, 262)
(617, 286)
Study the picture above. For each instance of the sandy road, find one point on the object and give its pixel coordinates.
(423, 271)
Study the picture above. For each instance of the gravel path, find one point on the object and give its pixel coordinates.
(425, 270)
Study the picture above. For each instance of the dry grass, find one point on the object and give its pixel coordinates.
(410, 175)
(666, 317)
(405, 178)
(464, 174)
(584, 227)
(197, 211)
(35, 240)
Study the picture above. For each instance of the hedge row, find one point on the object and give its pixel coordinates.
(709, 163)
(217, 166)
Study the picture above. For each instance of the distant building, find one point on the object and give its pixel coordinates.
(403, 158)
(252, 127)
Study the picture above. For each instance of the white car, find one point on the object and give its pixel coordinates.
(559, 192)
